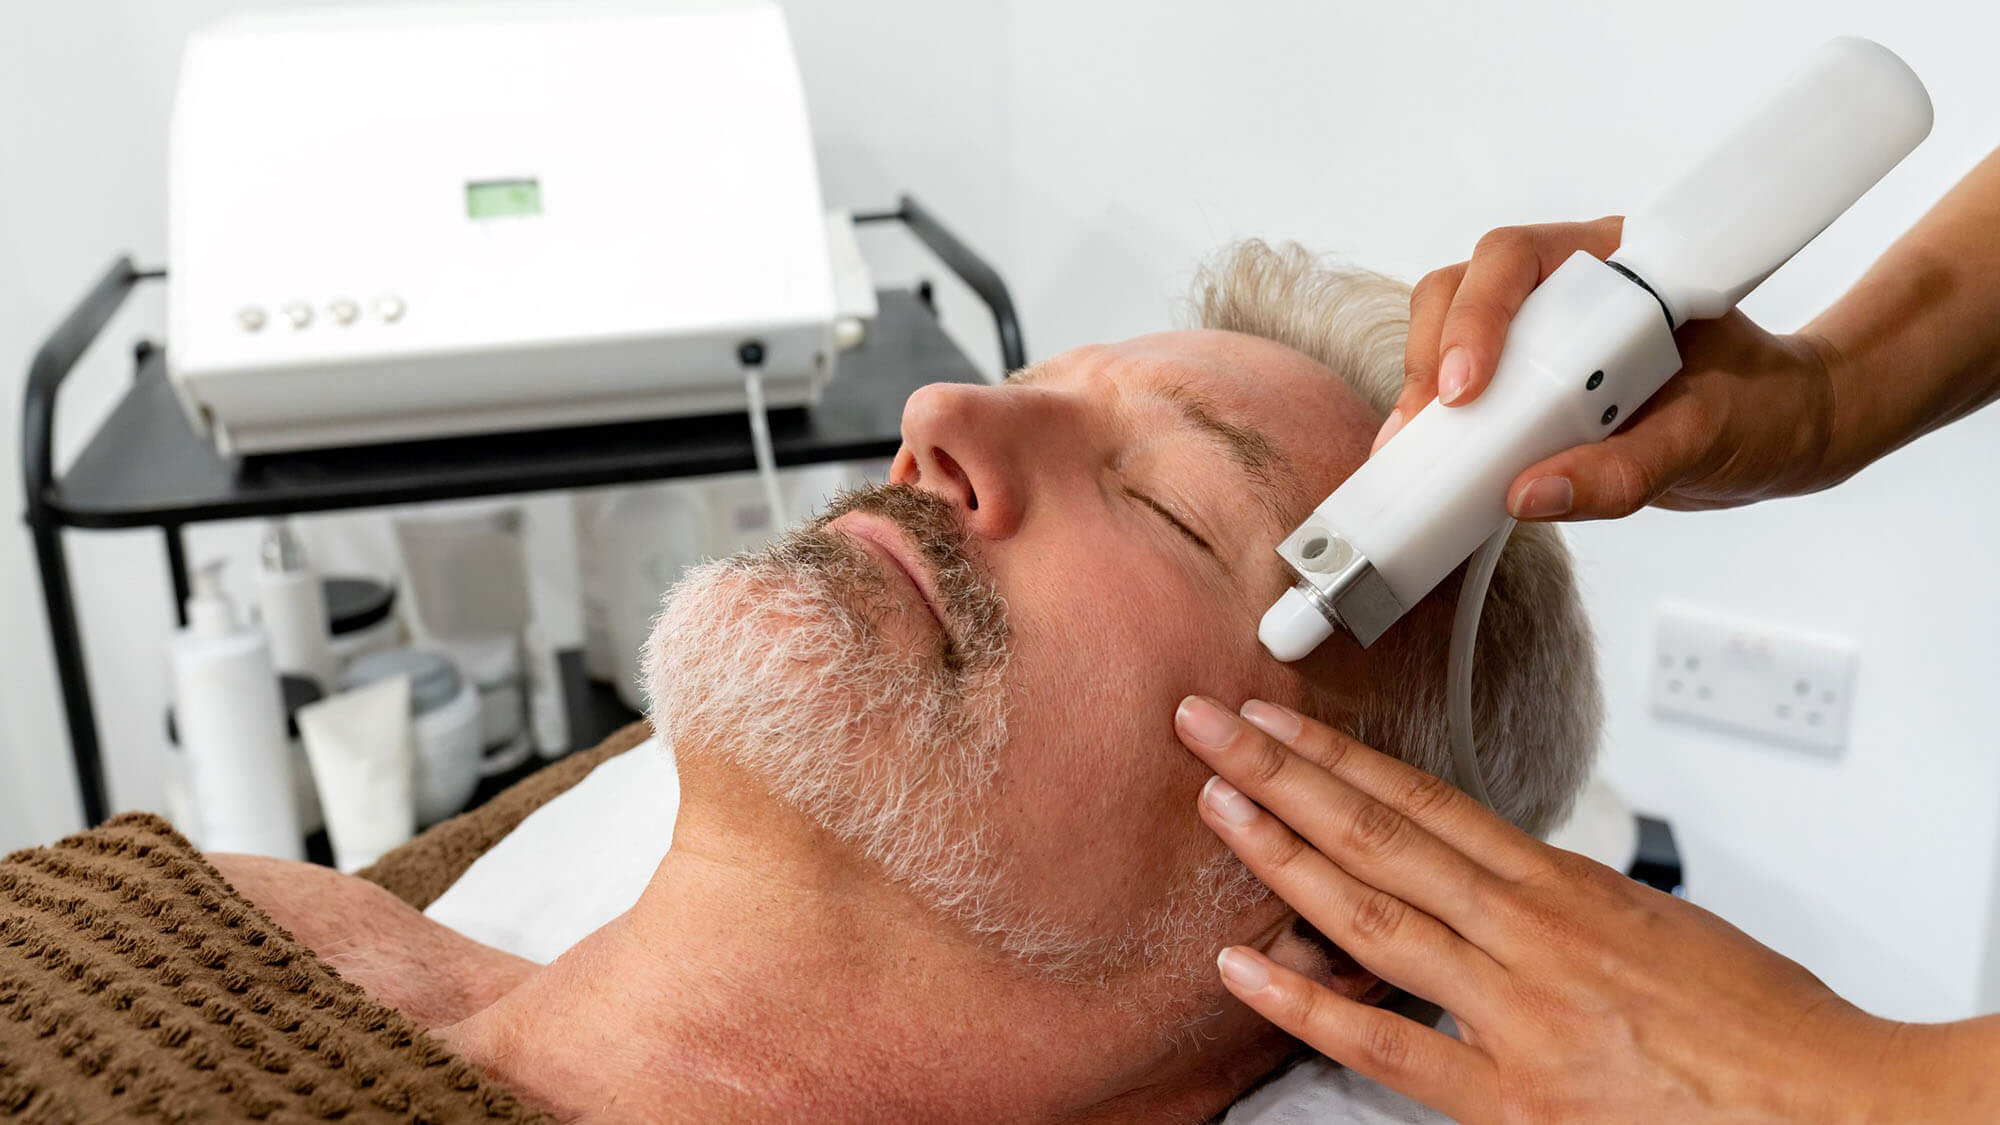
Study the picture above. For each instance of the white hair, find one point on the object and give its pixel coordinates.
(1537, 707)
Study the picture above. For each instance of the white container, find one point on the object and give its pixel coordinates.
(178, 795)
(444, 715)
(292, 607)
(361, 618)
(297, 692)
(548, 714)
(493, 667)
(466, 575)
(232, 725)
(739, 515)
(650, 536)
(359, 744)
(600, 658)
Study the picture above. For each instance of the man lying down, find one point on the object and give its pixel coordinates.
(937, 855)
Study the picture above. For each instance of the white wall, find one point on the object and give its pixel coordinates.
(1094, 151)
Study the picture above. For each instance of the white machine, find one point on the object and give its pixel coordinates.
(401, 222)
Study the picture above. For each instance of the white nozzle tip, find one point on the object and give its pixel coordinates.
(1292, 627)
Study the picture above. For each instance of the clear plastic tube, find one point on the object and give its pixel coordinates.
(760, 443)
(1458, 666)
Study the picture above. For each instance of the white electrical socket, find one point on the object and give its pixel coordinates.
(1775, 683)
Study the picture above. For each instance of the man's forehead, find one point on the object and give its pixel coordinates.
(1317, 425)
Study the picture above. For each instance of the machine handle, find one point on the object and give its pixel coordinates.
(968, 265)
(53, 362)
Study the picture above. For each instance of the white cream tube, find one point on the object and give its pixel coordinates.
(360, 748)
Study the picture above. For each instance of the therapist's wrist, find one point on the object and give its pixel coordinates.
(1837, 436)
(1941, 1072)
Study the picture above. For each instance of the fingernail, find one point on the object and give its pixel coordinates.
(1280, 723)
(1388, 430)
(1228, 802)
(1545, 497)
(1205, 722)
(1242, 970)
(1454, 372)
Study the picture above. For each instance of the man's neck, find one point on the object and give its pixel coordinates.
(771, 975)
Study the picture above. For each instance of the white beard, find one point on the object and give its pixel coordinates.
(770, 662)
(778, 675)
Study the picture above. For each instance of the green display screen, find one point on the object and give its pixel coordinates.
(491, 199)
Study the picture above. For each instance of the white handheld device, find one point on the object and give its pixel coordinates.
(1594, 341)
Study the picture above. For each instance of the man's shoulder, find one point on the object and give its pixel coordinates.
(135, 980)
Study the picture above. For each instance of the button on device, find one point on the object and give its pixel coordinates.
(390, 309)
(250, 318)
(299, 313)
(342, 310)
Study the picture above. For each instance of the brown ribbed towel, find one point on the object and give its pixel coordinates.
(421, 870)
(136, 984)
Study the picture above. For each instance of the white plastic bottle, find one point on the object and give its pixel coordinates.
(231, 719)
(292, 605)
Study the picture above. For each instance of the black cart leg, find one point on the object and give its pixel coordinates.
(177, 566)
(72, 673)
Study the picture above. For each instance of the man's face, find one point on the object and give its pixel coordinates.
(1058, 561)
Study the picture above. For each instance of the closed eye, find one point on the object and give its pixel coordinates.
(1169, 516)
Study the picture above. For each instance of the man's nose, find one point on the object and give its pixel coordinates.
(964, 442)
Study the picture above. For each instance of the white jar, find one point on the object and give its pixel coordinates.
(361, 617)
(444, 713)
(493, 666)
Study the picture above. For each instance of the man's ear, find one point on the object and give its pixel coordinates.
(1300, 947)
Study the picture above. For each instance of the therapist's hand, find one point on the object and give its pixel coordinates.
(1580, 994)
(1749, 418)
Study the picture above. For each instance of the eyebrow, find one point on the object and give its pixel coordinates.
(1252, 452)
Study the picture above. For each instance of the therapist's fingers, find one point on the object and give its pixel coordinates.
(1396, 941)
(1670, 441)
(1428, 302)
(1506, 266)
(1748, 418)
(1435, 805)
(1366, 838)
(1416, 1061)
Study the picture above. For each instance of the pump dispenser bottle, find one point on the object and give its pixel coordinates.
(231, 719)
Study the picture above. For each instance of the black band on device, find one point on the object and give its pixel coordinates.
(1650, 291)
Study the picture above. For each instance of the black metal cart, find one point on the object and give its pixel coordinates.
(145, 467)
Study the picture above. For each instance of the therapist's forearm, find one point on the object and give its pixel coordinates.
(1916, 343)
